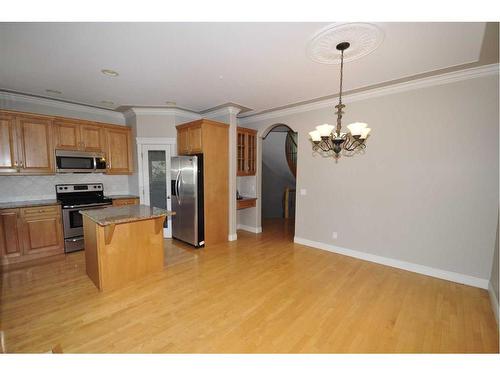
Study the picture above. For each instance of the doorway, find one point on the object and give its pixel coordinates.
(279, 170)
(154, 178)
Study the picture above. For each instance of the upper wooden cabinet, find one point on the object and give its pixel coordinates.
(210, 138)
(28, 142)
(8, 140)
(246, 143)
(189, 139)
(35, 144)
(119, 151)
(68, 135)
(79, 136)
(92, 137)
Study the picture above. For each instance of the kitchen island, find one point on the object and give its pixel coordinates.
(123, 244)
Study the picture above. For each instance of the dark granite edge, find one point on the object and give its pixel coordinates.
(122, 196)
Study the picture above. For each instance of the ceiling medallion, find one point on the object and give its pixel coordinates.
(364, 38)
(327, 138)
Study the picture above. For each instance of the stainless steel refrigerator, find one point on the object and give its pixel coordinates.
(187, 199)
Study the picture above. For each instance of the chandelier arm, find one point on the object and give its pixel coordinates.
(355, 144)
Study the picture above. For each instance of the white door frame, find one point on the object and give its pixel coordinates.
(169, 145)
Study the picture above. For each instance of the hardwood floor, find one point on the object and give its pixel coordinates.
(262, 293)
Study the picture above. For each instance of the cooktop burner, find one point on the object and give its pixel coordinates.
(81, 194)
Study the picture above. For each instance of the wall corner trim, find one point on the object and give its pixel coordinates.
(249, 228)
(494, 303)
(407, 266)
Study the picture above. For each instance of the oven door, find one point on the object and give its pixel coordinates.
(73, 220)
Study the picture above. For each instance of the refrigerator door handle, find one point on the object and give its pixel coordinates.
(179, 191)
(177, 180)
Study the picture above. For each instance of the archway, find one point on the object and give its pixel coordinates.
(277, 156)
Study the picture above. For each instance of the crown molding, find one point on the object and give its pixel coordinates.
(54, 103)
(441, 79)
(229, 110)
(162, 111)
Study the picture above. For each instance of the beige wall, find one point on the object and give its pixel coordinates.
(494, 278)
(425, 191)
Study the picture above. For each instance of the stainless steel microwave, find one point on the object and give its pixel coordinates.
(80, 162)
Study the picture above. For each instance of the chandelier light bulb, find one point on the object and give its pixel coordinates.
(356, 128)
(315, 136)
(325, 130)
(365, 132)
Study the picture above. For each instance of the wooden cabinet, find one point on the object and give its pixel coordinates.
(125, 201)
(10, 235)
(30, 233)
(92, 137)
(8, 148)
(28, 142)
(42, 230)
(182, 141)
(189, 140)
(35, 145)
(119, 151)
(246, 143)
(67, 135)
(79, 136)
(245, 203)
(211, 139)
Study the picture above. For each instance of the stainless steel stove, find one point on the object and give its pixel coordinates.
(74, 198)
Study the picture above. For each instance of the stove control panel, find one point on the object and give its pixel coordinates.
(76, 188)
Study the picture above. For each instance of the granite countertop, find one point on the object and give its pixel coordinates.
(122, 196)
(34, 203)
(124, 214)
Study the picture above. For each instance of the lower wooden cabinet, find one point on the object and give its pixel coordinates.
(10, 235)
(30, 233)
(125, 201)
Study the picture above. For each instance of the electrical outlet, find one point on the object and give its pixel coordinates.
(303, 191)
(335, 235)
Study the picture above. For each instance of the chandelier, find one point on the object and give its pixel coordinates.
(325, 139)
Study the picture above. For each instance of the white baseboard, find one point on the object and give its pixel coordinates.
(232, 237)
(494, 302)
(248, 228)
(412, 267)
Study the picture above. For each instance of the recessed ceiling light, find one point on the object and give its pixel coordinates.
(109, 72)
(50, 91)
(171, 104)
(107, 102)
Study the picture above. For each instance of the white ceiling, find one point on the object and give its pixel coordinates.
(203, 65)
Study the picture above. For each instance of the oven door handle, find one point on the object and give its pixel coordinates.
(88, 205)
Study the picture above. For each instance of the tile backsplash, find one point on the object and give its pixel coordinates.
(20, 188)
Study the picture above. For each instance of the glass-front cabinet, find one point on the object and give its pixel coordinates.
(246, 152)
